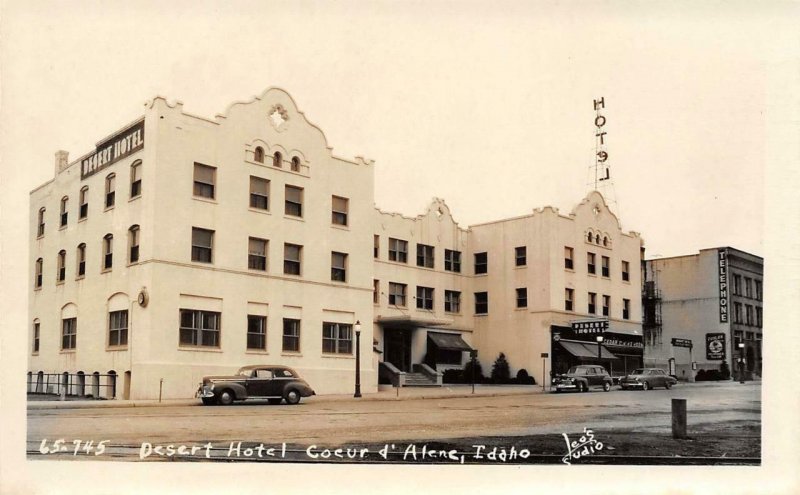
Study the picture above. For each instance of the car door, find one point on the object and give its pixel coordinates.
(260, 383)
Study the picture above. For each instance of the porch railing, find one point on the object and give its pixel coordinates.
(90, 386)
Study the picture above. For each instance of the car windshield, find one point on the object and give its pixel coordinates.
(576, 370)
(245, 372)
(639, 371)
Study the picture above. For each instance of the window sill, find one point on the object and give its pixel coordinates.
(517, 267)
(481, 314)
(37, 289)
(256, 351)
(293, 217)
(134, 198)
(67, 351)
(60, 282)
(340, 227)
(105, 270)
(292, 354)
(113, 348)
(203, 262)
(480, 275)
(337, 356)
(263, 211)
(524, 308)
(39, 237)
(132, 263)
(202, 199)
(451, 313)
(200, 349)
(63, 227)
(398, 262)
(35, 353)
(82, 219)
(571, 270)
(108, 208)
(591, 274)
(79, 278)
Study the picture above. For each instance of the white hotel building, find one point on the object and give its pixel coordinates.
(185, 247)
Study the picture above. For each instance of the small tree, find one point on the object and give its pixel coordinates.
(467, 373)
(724, 370)
(500, 370)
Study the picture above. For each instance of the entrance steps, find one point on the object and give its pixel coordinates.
(420, 380)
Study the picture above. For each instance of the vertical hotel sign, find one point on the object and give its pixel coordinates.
(722, 267)
(113, 149)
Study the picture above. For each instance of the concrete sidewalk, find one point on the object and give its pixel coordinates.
(385, 393)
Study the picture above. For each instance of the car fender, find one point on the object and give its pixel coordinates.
(238, 389)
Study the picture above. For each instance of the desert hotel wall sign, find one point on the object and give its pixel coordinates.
(114, 149)
(722, 266)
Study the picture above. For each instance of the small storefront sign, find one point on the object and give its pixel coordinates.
(715, 346)
(589, 326)
(682, 343)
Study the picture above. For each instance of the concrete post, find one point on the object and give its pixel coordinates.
(679, 418)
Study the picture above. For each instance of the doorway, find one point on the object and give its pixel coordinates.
(397, 348)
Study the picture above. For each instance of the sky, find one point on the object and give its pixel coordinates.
(488, 105)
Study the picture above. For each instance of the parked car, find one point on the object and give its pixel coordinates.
(647, 378)
(583, 378)
(271, 382)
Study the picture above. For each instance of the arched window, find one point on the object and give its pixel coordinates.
(589, 237)
(133, 244)
(61, 274)
(295, 164)
(108, 253)
(605, 241)
(40, 231)
(597, 238)
(277, 160)
(81, 257)
(259, 154)
(37, 280)
(136, 178)
(84, 202)
(64, 212)
(110, 188)
(36, 336)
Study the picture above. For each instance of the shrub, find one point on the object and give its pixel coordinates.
(467, 373)
(500, 370)
(453, 375)
(724, 371)
(523, 378)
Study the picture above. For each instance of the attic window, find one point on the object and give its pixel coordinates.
(259, 154)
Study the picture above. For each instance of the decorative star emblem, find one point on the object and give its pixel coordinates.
(278, 116)
(596, 210)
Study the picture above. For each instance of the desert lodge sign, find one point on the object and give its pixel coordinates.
(113, 149)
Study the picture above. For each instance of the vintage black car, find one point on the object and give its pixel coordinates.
(265, 382)
(647, 378)
(582, 378)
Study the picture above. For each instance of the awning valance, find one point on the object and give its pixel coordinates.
(449, 341)
(586, 350)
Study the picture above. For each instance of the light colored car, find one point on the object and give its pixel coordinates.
(647, 378)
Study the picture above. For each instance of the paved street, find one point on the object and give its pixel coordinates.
(325, 422)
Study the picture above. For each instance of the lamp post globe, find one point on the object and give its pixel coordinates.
(599, 346)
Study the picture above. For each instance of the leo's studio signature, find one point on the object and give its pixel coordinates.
(584, 446)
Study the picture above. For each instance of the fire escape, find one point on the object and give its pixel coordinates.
(651, 314)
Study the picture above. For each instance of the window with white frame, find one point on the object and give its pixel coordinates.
(40, 229)
(520, 256)
(136, 179)
(199, 328)
(569, 298)
(452, 261)
(61, 269)
(110, 190)
(108, 252)
(205, 179)
(626, 271)
(83, 198)
(425, 255)
(338, 267)
(69, 333)
(590, 263)
(481, 303)
(339, 209)
(118, 328)
(291, 335)
(398, 250)
(337, 338)
(37, 278)
(522, 297)
(202, 245)
(481, 263)
(133, 244)
(605, 266)
(36, 336)
(81, 258)
(64, 211)
(606, 305)
(397, 294)
(376, 246)
(452, 301)
(424, 297)
(568, 256)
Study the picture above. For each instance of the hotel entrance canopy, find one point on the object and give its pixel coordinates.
(449, 341)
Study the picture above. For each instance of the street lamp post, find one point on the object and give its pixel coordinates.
(358, 359)
(741, 362)
(599, 346)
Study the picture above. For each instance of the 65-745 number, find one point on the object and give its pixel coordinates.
(76, 447)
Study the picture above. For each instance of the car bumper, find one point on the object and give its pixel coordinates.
(631, 384)
(204, 393)
(565, 386)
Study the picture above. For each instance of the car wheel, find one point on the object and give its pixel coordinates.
(275, 402)
(668, 385)
(584, 387)
(226, 398)
(208, 401)
(645, 386)
(292, 397)
(606, 386)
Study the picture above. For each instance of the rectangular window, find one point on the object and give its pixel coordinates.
(338, 267)
(397, 294)
(337, 338)
(590, 263)
(199, 328)
(737, 285)
(37, 281)
(376, 246)
(36, 337)
(481, 303)
(202, 245)
(110, 190)
(759, 316)
(606, 305)
(339, 210)
(569, 295)
(398, 250)
(521, 256)
(424, 298)
(81, 260)
(204, 180)
(108, 252)
(294, 201)
(452, 301)
(626, 309)
(592, 309)
(626, 271)
(118, 328)
(522, 297)
(606, 266)
(452, 261)
(69, 333)
(259, 193)
(758, 294)
(748, 311)
(136, 180)
(133, 245)
(257, 332)
(64, 212)
(61, 269)
(748, 287)
(291, 335)
(481, 263)
(257, 254)
(291, 259)
(376, 291)
(83, 201)
(568, 254)
(425, 255)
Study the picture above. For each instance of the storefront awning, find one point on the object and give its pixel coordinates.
(449, 341)
(586, 350)
(416, 321)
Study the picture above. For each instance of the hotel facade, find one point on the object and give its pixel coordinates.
(184, 246)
